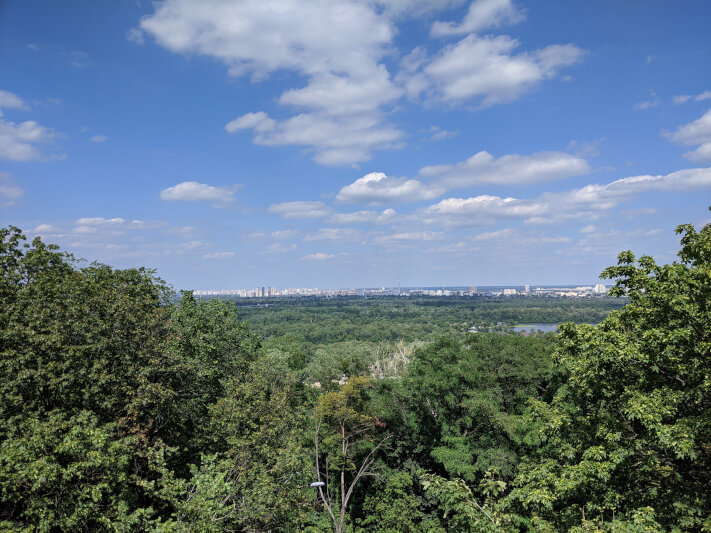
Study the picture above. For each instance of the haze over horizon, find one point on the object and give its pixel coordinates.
(349, 143)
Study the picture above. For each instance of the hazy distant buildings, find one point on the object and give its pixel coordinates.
(588, 291)
(600, 289)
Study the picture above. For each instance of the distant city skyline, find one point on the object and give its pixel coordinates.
(350, 142)
(430, 290)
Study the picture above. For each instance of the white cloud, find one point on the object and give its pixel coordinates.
(509, 169)
(693, 133)
(257, 121)
(192, 191)
(358, 217)
(344, 95)
(480, 210)
(706, 95)
(219, 255)
(588, 229)
(320, 256)
(377, 188)
(256, 37)
(115, 226)
(10, 100)
(300, 209)
(98, 138)
(337, 45)
(333, 234)
(335, 139)
(45, 228)
(9, 192)
(486, 68)
(585, 203)
(100, 221)
(18, 142)
(482, 14)
(682, 180)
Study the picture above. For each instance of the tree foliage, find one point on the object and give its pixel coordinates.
(627, 437)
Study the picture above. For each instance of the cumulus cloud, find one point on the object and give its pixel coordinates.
(486, 68)
(365, 216)
(19, 142)
(98, 138)
(482, 15)
(377, 188)
(257, 38)
(9, 192)
(300, 209)
(479, 210)
(334, 139)
(345, 95)
(697, 132)
(508, 170)
(586, 203)
(219, 255)
(192, 191)
(336, 45)
(10, 100)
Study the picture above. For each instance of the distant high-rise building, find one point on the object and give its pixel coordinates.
(527, 288)
(472, 289)
(600, 289)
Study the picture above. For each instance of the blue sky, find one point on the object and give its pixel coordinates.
(347, 143)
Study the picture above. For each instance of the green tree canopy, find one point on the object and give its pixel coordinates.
(628, 436)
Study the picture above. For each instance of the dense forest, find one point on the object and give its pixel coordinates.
(126, 407)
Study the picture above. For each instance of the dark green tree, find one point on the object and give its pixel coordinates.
(83, 395)
(464, 402)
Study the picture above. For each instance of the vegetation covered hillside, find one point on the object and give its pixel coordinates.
(125, 407)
